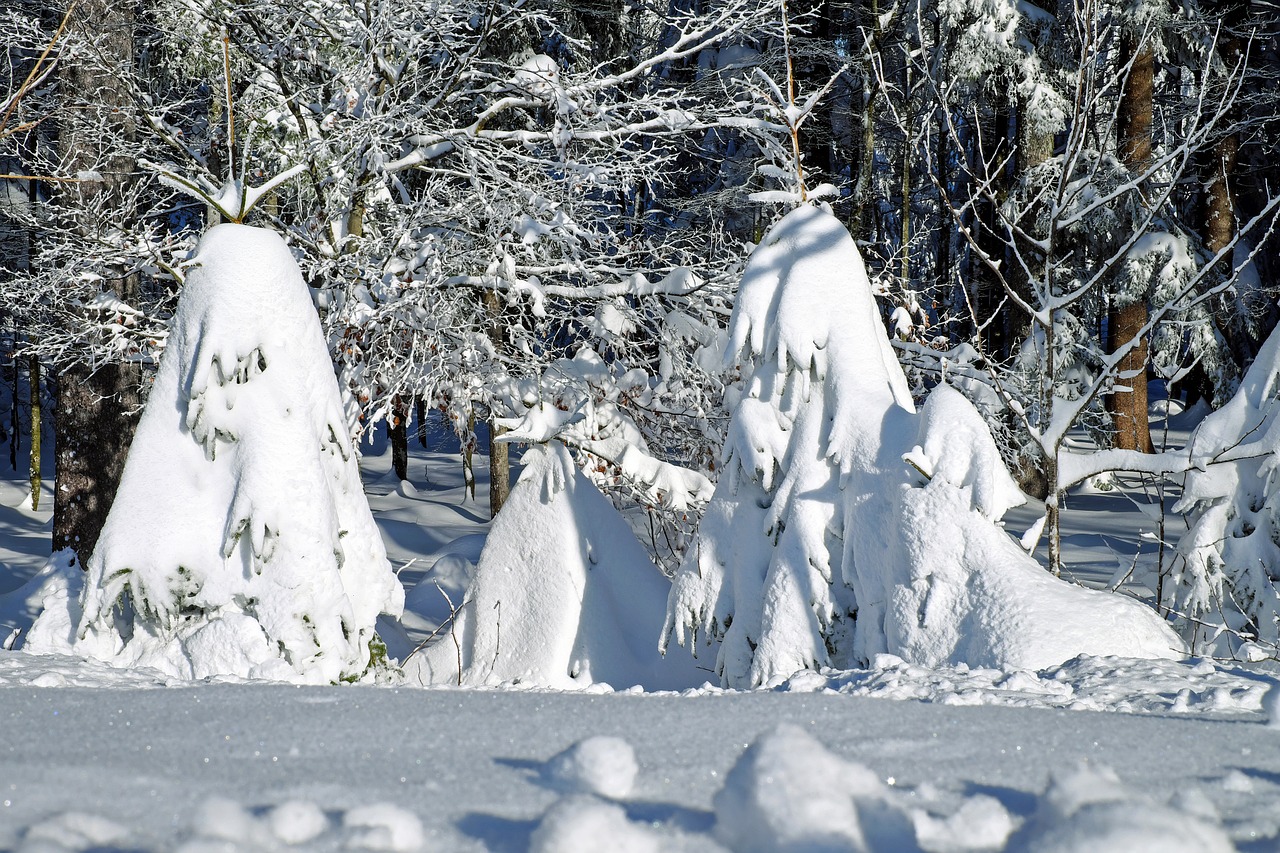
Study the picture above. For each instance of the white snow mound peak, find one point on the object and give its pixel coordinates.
(240, 543)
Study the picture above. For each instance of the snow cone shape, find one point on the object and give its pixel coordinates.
(846, 525)
(240, 542)
(564, 595)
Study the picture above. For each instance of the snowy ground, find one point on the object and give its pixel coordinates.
(98, 759)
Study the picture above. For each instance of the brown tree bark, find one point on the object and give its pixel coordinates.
(1218, 226)
(1125, 319)
(97, 405)
(499, 456)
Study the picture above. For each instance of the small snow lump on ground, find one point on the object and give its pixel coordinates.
(600, 765)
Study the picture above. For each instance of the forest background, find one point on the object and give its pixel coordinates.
(509, 207)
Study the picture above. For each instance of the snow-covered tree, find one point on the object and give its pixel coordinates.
(240, 542)
(564, 595)
(844, 525)
(1226, 596)
(482, 195)
(1081, 235)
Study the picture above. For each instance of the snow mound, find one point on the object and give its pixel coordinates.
(788, 792)
(981, 823)
(73, 831)
(598, 765)
(382, 826)
(1088, 810)
(1130, 686)
(584, 824)
(240, 542)
(223, 824)
(564, 595)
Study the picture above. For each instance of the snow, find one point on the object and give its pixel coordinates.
(788, 792)
(966, 753)
(250, 767)
(598, 765)
(1226, 589)
(980, 750)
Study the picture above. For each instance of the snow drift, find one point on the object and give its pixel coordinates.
(846, 525)
(564, 596)
(240, 542)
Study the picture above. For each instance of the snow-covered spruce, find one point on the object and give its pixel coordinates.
(240, 542)
(844, 524)
(564, 595)
(1227, 595)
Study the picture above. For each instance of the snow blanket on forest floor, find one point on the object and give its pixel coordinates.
(844, 524)
(269, 767)
(240, 542)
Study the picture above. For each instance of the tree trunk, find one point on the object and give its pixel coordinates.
(1219, 212)
(97, 406)
(1128, 408)
(499, 461)
(93, 425)
(398, 428)
(33, 392)
(499, 458)
(863, 212)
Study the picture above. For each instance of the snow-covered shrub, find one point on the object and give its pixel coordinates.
(1226, 591)
(564, 595)
(240, 542)
(843, 524)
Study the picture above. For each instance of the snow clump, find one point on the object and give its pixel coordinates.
(585, 824)
(1089, 810)
(788, 792)
(598, 765)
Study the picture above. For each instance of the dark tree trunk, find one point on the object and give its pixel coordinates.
(420, 410)
(499, 459)
(1128, 408)
(398, 427)
(499, 462)
(97, 406)
(93, 425)
(1219, 212)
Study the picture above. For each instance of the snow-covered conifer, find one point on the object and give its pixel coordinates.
(240, 542)
(564, 595)
(843, 524)
(820, 382)
(1226, 590)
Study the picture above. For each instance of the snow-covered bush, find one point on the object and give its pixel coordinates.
(240, 542)
(564, 595)
(843, 524)
(1226, 590)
